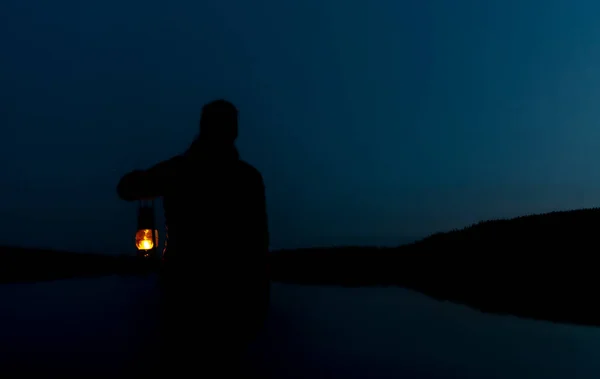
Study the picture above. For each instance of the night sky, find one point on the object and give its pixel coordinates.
(372, 122)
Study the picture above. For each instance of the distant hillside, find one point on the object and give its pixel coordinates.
(540, 266)
(19, 264)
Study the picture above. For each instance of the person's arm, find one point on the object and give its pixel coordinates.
(151, 183)
(258, 228)
(262, 218)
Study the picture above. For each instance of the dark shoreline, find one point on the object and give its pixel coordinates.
(20, 265)
(540, 266)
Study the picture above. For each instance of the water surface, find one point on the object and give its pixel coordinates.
(93, 327)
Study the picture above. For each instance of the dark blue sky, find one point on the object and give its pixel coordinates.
(373, 122)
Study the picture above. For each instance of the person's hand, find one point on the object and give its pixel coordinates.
(129, 184)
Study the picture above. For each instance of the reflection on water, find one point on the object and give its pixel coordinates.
(84, 326)
(94, 327)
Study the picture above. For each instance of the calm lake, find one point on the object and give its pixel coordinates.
(91, 326)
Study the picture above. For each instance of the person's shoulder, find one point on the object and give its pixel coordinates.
(250, 172)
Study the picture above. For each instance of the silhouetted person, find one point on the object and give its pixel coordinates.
(215, 269)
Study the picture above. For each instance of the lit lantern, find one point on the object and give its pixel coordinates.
(143, 239)
(146, 237)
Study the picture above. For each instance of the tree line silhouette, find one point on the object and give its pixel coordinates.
(539, 266)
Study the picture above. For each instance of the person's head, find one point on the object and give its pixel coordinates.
(219, 122)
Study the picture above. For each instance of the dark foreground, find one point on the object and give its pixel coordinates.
(96, 327)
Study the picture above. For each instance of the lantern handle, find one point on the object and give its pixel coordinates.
(146, 202)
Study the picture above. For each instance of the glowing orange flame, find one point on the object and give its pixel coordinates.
(143, 239)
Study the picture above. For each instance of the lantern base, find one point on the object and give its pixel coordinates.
(146, 254)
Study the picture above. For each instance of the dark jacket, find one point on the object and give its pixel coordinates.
(214, 205)
(215, 281)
